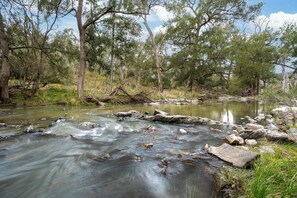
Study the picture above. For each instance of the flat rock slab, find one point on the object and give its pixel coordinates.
(236, 156)
(178, 119)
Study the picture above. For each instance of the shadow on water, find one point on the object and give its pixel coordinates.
(58, 165)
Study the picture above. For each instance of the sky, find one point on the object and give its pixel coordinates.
(276, 12)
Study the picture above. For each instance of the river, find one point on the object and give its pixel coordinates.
(59, 165)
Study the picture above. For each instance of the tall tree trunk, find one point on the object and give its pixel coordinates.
(112, 54)
(156, 54)
(82, 52)
(5, 70)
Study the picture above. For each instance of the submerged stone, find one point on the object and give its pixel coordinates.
(103, 156)
(182, 131)
(88, 125)
(32, 129)
(237, 157)
(127, 114)
(148, 146)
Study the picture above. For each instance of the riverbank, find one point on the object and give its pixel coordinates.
(67, 96)
(273, 173)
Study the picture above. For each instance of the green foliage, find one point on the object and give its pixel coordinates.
(276, 94)
(55, 94)
(275, 175)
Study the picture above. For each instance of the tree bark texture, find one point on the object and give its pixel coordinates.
(156, 54)
(5, 69)
(82, 51)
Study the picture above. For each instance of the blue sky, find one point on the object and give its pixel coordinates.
(273, 6)
(277, 12)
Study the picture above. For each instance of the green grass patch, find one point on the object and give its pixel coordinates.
(275, 175)
(271, 175)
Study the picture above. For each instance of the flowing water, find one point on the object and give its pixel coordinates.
(64, 161)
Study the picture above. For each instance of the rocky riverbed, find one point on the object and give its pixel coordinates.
(159, 153)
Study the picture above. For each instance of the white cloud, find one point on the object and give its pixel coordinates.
(276, 20)
(159, 29)
(159, 13)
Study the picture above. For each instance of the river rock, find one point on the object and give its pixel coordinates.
(2, 125)
(260, 117)
(103, 156)
(88, 125)
(32, 129)
(285, 115)
(216, 130)
(251, 142)
(183, 131)
(128, 114)
(60, 120)
(148, 146)
(267, 150)
(254, 127)
(273, 135)
(239, 128)
(234, 140)
(293, 133)
(236, 156)
(157, 111)
(179, 119)
(154, 103)
(271, 126)
(250, 134)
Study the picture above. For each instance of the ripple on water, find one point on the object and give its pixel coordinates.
(66, 166)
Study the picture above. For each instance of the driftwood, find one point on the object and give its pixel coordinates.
(121, 96)
(94, 100)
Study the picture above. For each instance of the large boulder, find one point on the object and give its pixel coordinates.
(273, 135)
(237, 157)
(178, 119)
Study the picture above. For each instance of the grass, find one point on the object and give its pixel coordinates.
(46, 96)
(271, 176)
(63, 94)
(275, 175)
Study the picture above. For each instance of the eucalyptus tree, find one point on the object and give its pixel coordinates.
(192, 18)
(89, 12)
(112, 41)
(5, 69)
(29, 25)
(288, 45)
(255, 58)
(156, 47)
